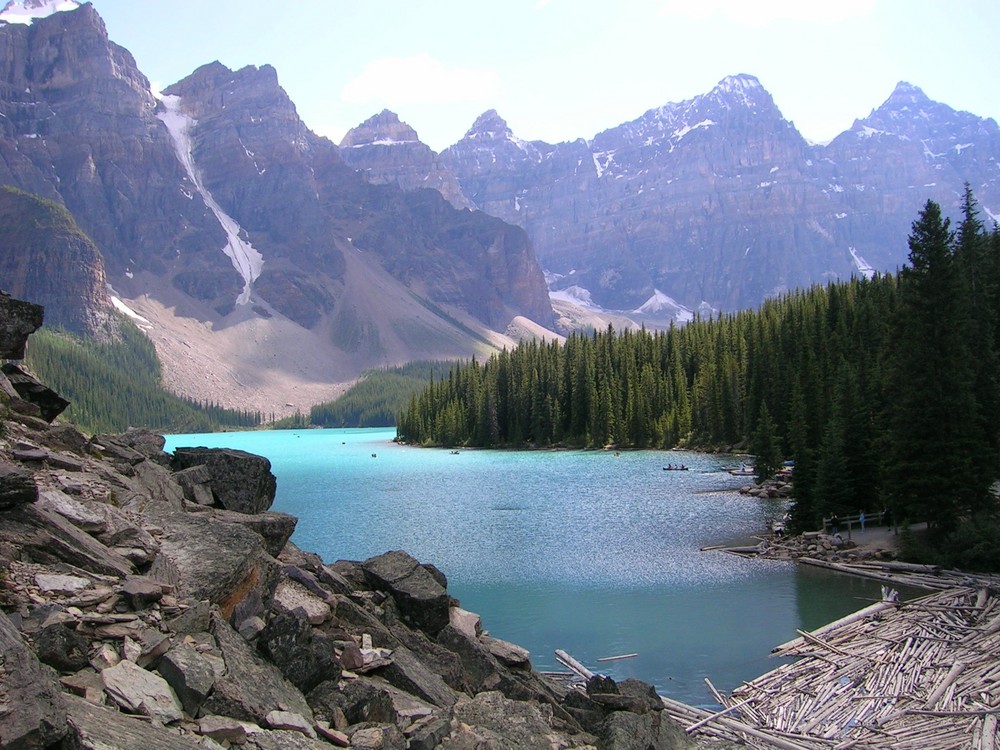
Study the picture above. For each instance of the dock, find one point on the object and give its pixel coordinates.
(922, 674)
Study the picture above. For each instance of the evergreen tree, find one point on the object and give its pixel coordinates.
(766, 446)
(933, 434)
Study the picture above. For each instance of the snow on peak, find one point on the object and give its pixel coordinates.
(660, 303)
(26, 11)
(575, 294)
(740, 89)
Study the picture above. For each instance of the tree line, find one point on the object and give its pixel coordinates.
(883, 391)
(117, 385)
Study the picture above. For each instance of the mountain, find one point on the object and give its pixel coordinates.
(717, 202)
(266, 269)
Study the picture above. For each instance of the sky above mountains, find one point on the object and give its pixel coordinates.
(557, 70)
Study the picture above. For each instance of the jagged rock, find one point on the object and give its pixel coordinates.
(491, 720)
(31, 390)
(377, 737)
(32, 707)
(139, 691)
(195, 619)
(62, 648)
(240, 481)
(623, 730)
(226, 729)
(333, 736)
(281, 739)
(305, 656)
(141, 591)
(206, 559)
(251, 687)
(189, 674)
(87, 684)
(468, 623)
(104, 657)
(17, 486)
(438, 658)
(290, 721)
(275, 528)
(134, 544)
(79, 514)
(197, 484)
(507, 653)
(18, 320)
(291, 597)
(411, 675)
(92, 727)
(421, 596)
(46, 537)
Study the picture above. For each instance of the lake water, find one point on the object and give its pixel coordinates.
(585, 551)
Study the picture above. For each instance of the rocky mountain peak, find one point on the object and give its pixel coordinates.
(489, 125)
(26, 11)
(741, 91)
(385, 128)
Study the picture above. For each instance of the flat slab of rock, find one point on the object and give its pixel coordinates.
(17, 485)
(291, 596)
(142, 692)
(96, 728)
(53, 583)
(291, 721)
(189, 674)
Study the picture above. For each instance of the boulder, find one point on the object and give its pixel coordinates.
(377, 737)
(305, 656)
(251, 687)
(623, 730)
(411, 675)
(142, 692)
(418, 591)
(206, 559)
(141, 591)
(18, 320)
(17, 486)
(241, 481)
(290, 597)
(61, 647)
(491, 720)
(189, 674)
(32, 707)
(290, 721)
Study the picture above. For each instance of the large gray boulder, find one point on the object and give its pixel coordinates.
(209, 559)
(419, 590)
(241, 481)
(32, 708)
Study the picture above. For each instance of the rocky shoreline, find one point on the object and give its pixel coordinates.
(153, 600)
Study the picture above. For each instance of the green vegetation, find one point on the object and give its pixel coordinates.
(376, 399)
(114, 386)
(884, 391)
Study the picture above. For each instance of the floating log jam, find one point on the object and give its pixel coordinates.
(920, 675)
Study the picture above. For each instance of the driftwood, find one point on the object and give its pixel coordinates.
(920, 675)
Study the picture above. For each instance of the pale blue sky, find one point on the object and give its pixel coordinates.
(558, 70)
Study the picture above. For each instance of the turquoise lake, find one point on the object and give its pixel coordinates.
(585, 551)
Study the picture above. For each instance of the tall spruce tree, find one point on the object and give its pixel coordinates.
(933, 420)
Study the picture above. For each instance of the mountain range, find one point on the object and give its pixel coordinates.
(271, 266)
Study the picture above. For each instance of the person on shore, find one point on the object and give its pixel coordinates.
(861, 520)
(835, 525)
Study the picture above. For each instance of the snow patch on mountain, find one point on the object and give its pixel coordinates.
(247, 261)
(575, 294)
(26, 11)
(660, 303)
(865, 268)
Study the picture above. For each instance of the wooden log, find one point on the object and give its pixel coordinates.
(570, 663)
(617, 658)
(861, 614)
(953, 673)
(988, 741)
(716, 715)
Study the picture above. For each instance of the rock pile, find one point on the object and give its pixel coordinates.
(154, 601)
(820, 546)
